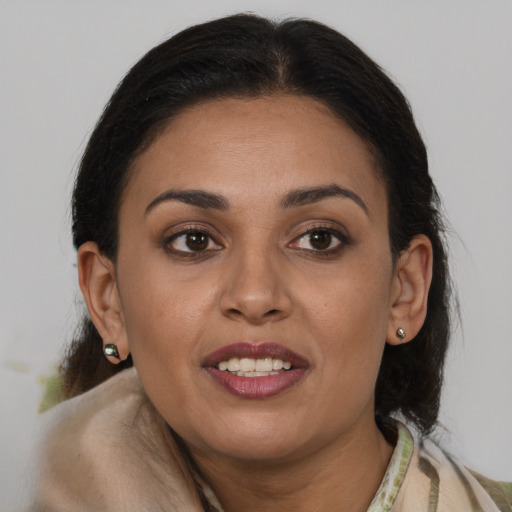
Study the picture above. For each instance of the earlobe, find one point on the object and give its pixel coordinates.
(96, 275)
(413, 275)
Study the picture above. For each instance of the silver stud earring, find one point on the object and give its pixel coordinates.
(110, 350)
(400, 334)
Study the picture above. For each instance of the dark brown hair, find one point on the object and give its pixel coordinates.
(249, 56)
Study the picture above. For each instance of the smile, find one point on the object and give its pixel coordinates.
(255, 371)
(247, 367)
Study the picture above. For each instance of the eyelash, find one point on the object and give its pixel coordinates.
(342, 238)
(167, 243)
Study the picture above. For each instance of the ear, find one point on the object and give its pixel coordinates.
(97, 278)
(411, 283)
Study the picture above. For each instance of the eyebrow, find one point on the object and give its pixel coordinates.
(199, 198)
(295, 198)
(306, 196)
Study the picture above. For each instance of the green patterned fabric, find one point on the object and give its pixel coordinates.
(390, 485)
(436, 481)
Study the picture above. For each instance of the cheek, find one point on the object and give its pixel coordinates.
(349, 321)
(351, 302)
(164, 330)
(164, 317)
(352, 351)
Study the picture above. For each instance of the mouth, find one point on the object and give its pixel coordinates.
(255, 371)
(248, 367)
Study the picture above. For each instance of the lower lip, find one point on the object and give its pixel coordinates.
(256, 387)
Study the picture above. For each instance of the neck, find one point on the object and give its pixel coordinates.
(341, 475)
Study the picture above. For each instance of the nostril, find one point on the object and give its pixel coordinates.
(237, 313)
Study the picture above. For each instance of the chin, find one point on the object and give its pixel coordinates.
(255, 437)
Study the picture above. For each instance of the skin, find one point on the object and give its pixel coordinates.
(314, 446)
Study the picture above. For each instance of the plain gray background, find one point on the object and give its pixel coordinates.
(59, 63)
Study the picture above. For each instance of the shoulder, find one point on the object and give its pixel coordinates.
(109, 449)
(435, 478)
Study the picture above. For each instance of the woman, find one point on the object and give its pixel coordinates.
(259, 237)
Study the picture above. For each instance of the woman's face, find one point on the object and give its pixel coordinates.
(253, 234)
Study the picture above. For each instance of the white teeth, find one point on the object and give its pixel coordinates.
(264, 365)
(233, 364)
(247, 367)
(255, 374)
(277, 364)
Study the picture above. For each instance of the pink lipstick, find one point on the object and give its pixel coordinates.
(255, 370)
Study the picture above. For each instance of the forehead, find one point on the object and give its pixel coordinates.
(258, 146)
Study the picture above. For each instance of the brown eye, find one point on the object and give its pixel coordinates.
(196, 241)
(191, 242)
(320, 240)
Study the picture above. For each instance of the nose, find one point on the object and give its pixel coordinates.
(255, 288)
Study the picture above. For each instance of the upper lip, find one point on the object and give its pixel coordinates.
(254, 351)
